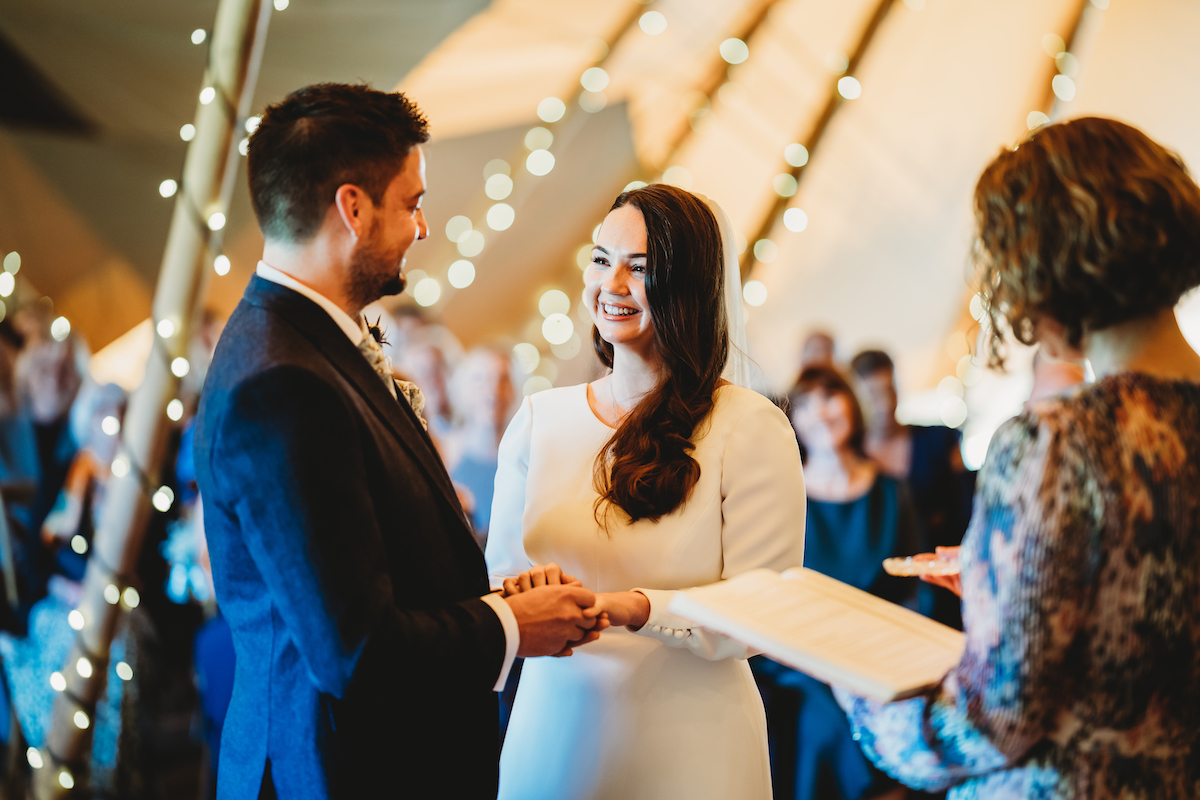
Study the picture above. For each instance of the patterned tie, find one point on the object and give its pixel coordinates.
(372, 350)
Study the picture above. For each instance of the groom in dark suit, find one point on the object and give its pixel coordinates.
(368, 645)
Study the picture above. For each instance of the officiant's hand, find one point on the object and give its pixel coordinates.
(539, 575)
(951, 582)
(553, 619)
(624, 608)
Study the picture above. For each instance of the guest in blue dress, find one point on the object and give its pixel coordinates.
(857, 516)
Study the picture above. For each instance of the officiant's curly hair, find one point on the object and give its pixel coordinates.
(318, 138)
(646, 468)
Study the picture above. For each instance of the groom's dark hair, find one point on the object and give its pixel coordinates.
(318, 138)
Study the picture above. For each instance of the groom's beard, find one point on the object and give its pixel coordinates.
(374, 271)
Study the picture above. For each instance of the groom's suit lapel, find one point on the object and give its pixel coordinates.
(319, 329)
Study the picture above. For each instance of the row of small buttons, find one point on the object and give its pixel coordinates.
(678, 633)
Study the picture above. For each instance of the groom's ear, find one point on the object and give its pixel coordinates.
(354, 208)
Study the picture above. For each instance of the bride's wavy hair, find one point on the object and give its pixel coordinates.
(646, 468)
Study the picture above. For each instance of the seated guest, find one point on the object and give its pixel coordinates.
(857, 516)
(1081, 567)
(928, 458)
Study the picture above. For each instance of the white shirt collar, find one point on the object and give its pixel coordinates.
(353, 329)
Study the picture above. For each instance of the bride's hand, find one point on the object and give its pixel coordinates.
(539, 575)
(624, 608)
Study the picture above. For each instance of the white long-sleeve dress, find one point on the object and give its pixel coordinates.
(668, 711)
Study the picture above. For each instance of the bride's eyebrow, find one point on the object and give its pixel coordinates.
(631, 255)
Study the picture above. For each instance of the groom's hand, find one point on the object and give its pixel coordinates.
(552, 619)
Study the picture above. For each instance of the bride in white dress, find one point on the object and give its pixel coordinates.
(658, 477)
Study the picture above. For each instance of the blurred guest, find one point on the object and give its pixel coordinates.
(1053, 376)
(857, 516)
(68, 528)
(483, 396)
(424, 364)
(929, 459)
(18, 447)
(1081, 568)
(817, 350)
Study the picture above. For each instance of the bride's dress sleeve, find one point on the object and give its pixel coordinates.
(762, 509)
(505, 550)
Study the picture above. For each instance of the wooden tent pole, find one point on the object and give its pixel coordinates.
(135, 493)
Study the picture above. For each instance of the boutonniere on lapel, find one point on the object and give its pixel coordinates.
(372, 348)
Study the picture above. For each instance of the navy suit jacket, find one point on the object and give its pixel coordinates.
(346, 569)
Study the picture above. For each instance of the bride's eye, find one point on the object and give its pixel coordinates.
(600, 261)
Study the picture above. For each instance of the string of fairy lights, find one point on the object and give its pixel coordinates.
(120, 589)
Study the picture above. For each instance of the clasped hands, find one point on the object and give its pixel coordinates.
(557, 614)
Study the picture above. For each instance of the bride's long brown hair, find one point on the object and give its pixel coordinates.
(646, 468)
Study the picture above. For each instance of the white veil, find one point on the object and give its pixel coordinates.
(737, 368)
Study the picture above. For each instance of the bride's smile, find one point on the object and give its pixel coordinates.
(615, 282)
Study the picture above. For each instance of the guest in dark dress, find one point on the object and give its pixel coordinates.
(1081, 567)
(857, 516)
(929, 459)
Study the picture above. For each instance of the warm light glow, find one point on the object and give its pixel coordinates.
(7, 284)
(57, 682)
(65, 780)
(1053, 44)
(457, 228)
(498, 187)
(593, 102)
(837, 62)
(199, 35)
(849, 87)
(551, 109)
(216, 221)
(187, 132)
(953, 412)
(629, 187)
(594, 79)
(60, 329)
(120, 467)
(1064, 88)
(124, 671)
(1067, 64)
(957, 346)
(796, 154)
(501, 216)
(976, 307)
(653, 23)
(281, 5)
(596, 233)
(471, 244)
(497, 166)
(583, 256)
(461, 274)
(244, 147)
(110, 425)
(1036, 119)
(915, 5)
(221, 265)
(678, 176)
(732, 94)
(950, 386)
(734, 51)
(81, 721)
(557, 328)
(539, 138)
(84, 667)
(131, 597)
(252, 124)
(112, 595)
(412, 278)
(165, 328)
(754, 293)
(568, 349)
(175, 410)
(207, 95)
(168, 188)
(163, 498)
(79, 544)
(540, 162)
(536, 384)
(180, 367)
(527, 357)
(1101, 4)
(34, 757)
(785, 185)
(12, 263)
(766, 251)
(427, 292)
(795, 220)
(554, 302)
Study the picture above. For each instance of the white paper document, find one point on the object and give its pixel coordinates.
(827, 629)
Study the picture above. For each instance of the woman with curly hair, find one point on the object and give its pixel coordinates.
(657, 477)
(1081, 566)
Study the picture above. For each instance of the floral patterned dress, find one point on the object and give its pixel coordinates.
(1081, 606)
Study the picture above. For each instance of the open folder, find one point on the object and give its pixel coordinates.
(831, 631)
